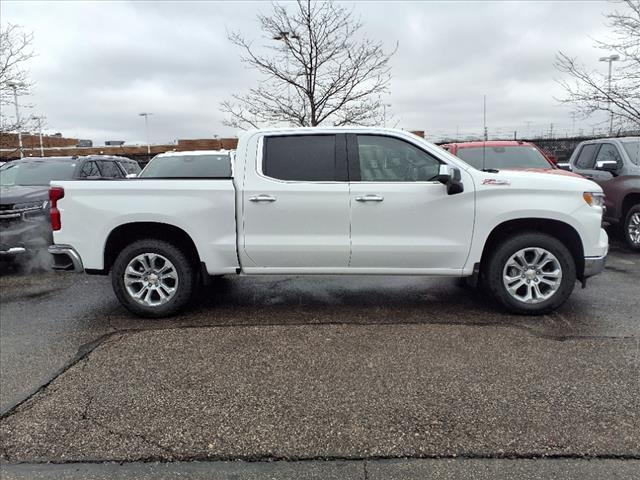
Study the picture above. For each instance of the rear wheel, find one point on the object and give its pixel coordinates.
(631, 227)
(153, 278)
(531, 273)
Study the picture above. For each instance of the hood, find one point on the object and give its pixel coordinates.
(550, 171)
(539, 180)
(11, 194)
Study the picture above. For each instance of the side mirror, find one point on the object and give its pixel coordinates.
(132, 175)
(451, 177)
(607, 166)
(564, 166)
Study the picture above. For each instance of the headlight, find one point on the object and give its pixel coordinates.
(31, 205)
(594, 199)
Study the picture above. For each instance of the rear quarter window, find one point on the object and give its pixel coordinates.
(131, 167)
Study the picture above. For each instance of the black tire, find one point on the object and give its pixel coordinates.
(184, 288)
(493, 275)
(626, 233)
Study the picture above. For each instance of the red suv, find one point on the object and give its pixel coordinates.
(503, 154)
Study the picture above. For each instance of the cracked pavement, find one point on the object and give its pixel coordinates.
(335, 368)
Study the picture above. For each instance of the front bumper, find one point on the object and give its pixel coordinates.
(66, 258)
(11, 251)
(19, 235)
(593, 265)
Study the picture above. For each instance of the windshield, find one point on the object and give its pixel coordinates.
(524, 156)
(633, 150)
(35, 173)
(188, 166)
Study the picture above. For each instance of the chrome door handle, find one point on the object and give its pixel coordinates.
(370, 198)
(262, 198)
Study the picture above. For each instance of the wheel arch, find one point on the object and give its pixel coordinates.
(560, 230)
(125, 234)
(629, 200)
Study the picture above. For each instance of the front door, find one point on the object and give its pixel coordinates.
(296, 204)
(400, 217)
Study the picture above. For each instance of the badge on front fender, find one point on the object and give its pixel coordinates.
(496, 181)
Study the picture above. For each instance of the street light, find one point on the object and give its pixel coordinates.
(146, 128)
(14, 86)
(284, 36)
(610, 59)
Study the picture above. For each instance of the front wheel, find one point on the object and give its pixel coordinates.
(631, 227)
(531, 273)
(153, 278)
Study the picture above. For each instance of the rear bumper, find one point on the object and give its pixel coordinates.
(66, 258)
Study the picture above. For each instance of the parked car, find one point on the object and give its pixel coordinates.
(24, 195)
(189, 164)
(334, 201)
(614, 164)
(503, 154)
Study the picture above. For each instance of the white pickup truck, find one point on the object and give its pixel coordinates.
(334, 201)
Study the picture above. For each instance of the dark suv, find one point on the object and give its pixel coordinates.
(614, 164)
(24, 194)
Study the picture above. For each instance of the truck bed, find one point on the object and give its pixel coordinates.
(204, 208)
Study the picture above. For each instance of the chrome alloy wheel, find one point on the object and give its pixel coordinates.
(151, 279)
(532, 275)
(634, 228)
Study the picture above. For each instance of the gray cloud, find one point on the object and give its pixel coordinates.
(100, 63)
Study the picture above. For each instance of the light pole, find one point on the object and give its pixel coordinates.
(39, 120)
(610, 59)
(14, 86)
(146, 129)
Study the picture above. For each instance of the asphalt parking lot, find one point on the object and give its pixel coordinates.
(401, 377)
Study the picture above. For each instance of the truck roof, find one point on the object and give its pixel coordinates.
(613, 139)
(322, 130)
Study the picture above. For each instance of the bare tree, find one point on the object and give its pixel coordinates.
(317, 70)
(16, 49)
(588, 91)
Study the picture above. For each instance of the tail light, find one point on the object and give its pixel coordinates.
(55, 194)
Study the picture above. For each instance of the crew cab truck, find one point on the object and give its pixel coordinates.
(339, 201)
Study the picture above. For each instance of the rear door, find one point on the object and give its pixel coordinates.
(400, 217)
(296, 203)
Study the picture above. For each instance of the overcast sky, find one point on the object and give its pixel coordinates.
(100, 63)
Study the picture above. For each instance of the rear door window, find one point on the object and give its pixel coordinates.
(633, 150)
(586, 158)
(306, 158)
(109, 169)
